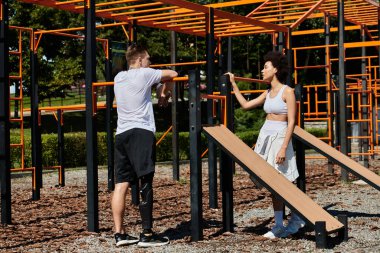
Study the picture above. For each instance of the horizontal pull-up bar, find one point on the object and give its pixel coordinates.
(176, 79)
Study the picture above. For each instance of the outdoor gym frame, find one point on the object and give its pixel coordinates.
(90, 79)
(188, 18)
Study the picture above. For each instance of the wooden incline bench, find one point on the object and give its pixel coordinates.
(270, 178)
(346, 162)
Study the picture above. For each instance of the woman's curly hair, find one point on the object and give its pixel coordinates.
(280, 62)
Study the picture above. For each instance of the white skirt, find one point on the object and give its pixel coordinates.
(269, 142)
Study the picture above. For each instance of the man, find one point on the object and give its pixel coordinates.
(135, 141)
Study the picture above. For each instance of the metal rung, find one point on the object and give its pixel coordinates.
(15, 77)
(359, 137)
(15, 52)
(22, 169)
(16, 98)
(311, 67)
(15, 120)
(359, 120)
(16, 145)
(355, 154)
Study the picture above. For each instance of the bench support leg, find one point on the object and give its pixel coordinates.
(320, 235)
(343, 233)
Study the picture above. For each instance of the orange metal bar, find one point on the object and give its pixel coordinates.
(126, 33)
(208, 96)
(97, 84)
(177, 21)
(69, 2)
(164, 135)
(129, 7)
(144, 11)
(204, 153)
(37, 42)
(176, 79)
(178, 64)
(251, 80)
(166, 16)
(108, 3)
(74, 29)
(21, 28)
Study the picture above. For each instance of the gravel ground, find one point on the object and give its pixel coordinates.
(57, 222)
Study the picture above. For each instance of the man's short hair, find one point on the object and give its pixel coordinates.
(135, 51)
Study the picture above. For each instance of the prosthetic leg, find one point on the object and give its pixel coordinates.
(148, 238)
(146, 204)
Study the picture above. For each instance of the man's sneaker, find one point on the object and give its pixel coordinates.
(276, 232)
(151, 240)
(125, 239)
(294, 225)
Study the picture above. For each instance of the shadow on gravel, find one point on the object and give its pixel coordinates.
(181, 231)
(259, 229)
(348, 213)
(249, 201)
(170, 216)
(32, 242)
(47, 218)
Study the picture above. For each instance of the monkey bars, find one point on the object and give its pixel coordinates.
(175, 15)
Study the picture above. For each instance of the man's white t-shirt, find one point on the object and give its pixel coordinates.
(133, 91)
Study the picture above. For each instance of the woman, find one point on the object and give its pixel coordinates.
(274, 141)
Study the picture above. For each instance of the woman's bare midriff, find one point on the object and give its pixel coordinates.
(277, 117)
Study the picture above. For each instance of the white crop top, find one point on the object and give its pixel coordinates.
(276, 105)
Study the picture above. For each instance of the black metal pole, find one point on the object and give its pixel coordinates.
(212, 162)
(35, 128)
(229, 69)
(61, 146)
(289, 54)
(229, 54)
(330, 94)
(280, 41)
(175, 134)
(226, 163)
(364, 125)
(195, 156)
(221, 69)
(342, 87)
(91, 129)
(5, 163)
(109, 120)
(300, 147)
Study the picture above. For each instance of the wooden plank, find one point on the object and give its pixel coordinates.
(271, 178)
(346, 162)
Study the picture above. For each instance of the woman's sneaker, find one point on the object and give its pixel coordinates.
(276, 232)
(152, 240)
(125, 239)
(294, 226)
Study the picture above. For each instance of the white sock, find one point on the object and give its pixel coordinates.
(279, 218)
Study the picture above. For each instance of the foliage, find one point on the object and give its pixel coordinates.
(60, 59)
(75, 148)
(248, 120)
(317, 132)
